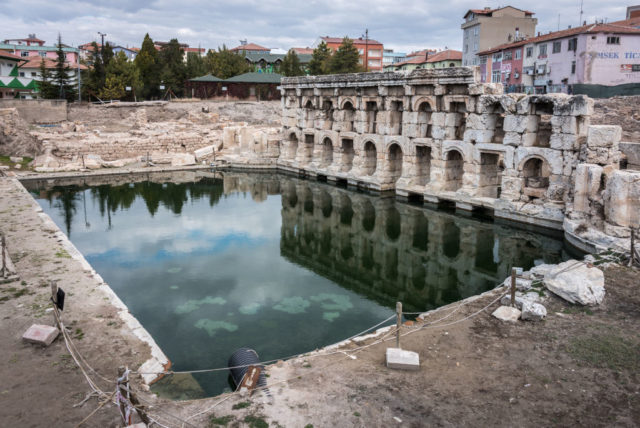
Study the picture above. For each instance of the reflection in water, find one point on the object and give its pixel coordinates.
(209, 263)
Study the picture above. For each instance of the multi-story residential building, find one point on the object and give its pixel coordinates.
(486, 28)
(14, 83)
(33, 47)
(428, 59)
(598, 59)
(390, 57)
(371, 51)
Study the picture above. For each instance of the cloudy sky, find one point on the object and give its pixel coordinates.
(403, 25)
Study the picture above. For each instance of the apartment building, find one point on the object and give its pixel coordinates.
(486, 28)
(598, 59)
(371, 51)
(428, 58)
(34, 47)
(12, 84)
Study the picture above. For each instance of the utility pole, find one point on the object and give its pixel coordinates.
(366, 49)
(581, 12)
(102, 44)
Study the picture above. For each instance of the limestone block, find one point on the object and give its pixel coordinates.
(564, 124)
(512, 139)
(403, 360)
(632, 152)
(622, 198)
(453, 119)
(183, 159)
(532, 311)
(563, 141)
(411, 130)
(616, 231)
(477, 136)
(604, 136)
(438, 119)
(450, 133)
(529, 139)
(511, 187)
(438, 132)
(410, 117)
(41, 334)
(507, 313)
(586, 186)
(576, 283)
(581, 105)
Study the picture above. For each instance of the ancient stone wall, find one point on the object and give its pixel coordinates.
(38, 111)
(438, 135)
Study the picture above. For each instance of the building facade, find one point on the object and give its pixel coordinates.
(428, 59)
(595, 54)
(13, 84)
(32, 47)
(250, 48)
(486, 28)
(371, 51)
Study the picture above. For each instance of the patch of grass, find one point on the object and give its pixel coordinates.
(79, 334)
(6, 161)
(307, 365)
(256, 422)
(577, 310)
(62, 253)
(308, 426)
(220, 420)
(241, 405)
(356, 414)
(607, 351)
(23, 282)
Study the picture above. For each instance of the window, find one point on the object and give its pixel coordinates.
(497, 57)
(374, 52)
(573, 67)
(43, 54)
(483, 60)
(529, 51)
(635, 67)
(466, 48)
(613, 40)
(476, 30)
(374, 63)
(475, 46)
(475, 61)
(495, 76)
(24, 53)
(542, 50)
(508, 55)
(557, 46)
(22, 74)
(466, 34)
(573, 44)
(361, 51)
(518, 53)
(34, 74)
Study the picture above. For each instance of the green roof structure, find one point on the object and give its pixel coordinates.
(272, 58)
(207, 78)
(256, 78)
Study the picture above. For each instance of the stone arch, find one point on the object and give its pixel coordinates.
(369, 158)
(347, 100)
(394, 161)
(453, 169)
(425, 110)
(420, 100)
(327, 112)
(292, 145)
(348, 114)
(535, 171)
(326, 152)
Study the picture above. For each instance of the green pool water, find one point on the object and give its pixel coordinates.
(210, 262)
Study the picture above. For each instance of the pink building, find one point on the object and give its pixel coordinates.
(597, 59)
(32, 47)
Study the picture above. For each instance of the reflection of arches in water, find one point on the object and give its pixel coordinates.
(368, 216)
(391, 265)
(418, 277)
(451, 292)
(325, 241)
(451, 240)
(346, 211)
(421, 232)
(308, 203)
(346, 251)
(487, 251)
(392, 226)
(326, 202)
(292, 198)
(368, 261)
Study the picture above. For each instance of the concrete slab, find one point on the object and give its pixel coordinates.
(403, 360)
(507, 313)
(40, 334)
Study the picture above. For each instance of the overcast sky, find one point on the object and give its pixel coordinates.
(403, 25)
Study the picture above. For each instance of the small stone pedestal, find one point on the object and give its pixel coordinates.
(403, 360)
(41, 334)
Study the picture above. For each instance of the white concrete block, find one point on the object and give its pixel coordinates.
(403, 360)
(41, 334)
(507, 313)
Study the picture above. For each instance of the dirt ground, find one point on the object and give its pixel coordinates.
(580, 366)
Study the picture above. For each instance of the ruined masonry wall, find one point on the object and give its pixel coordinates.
(438, 135)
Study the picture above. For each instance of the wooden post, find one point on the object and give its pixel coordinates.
(632, 247)
(54, 299)
(513, 287)
(398, 322)
(122, 389)
(3, 270)
(127, 394)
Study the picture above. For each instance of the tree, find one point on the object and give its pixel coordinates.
(196, 66)
(346, 59)
(147, 63)
(225, 64)
(174, 72)
(62, 86)
(121, 73)
(319, 59)
(291, 65)
(45, 88)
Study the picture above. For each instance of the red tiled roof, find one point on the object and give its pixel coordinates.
(88, 46)
(489, 11)
(302, 51)
(250, 47)
(633, 22)
(190, 49)
(585, 29)
(8, 55)
(358, 41)
(448, 55)
(48, 63)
